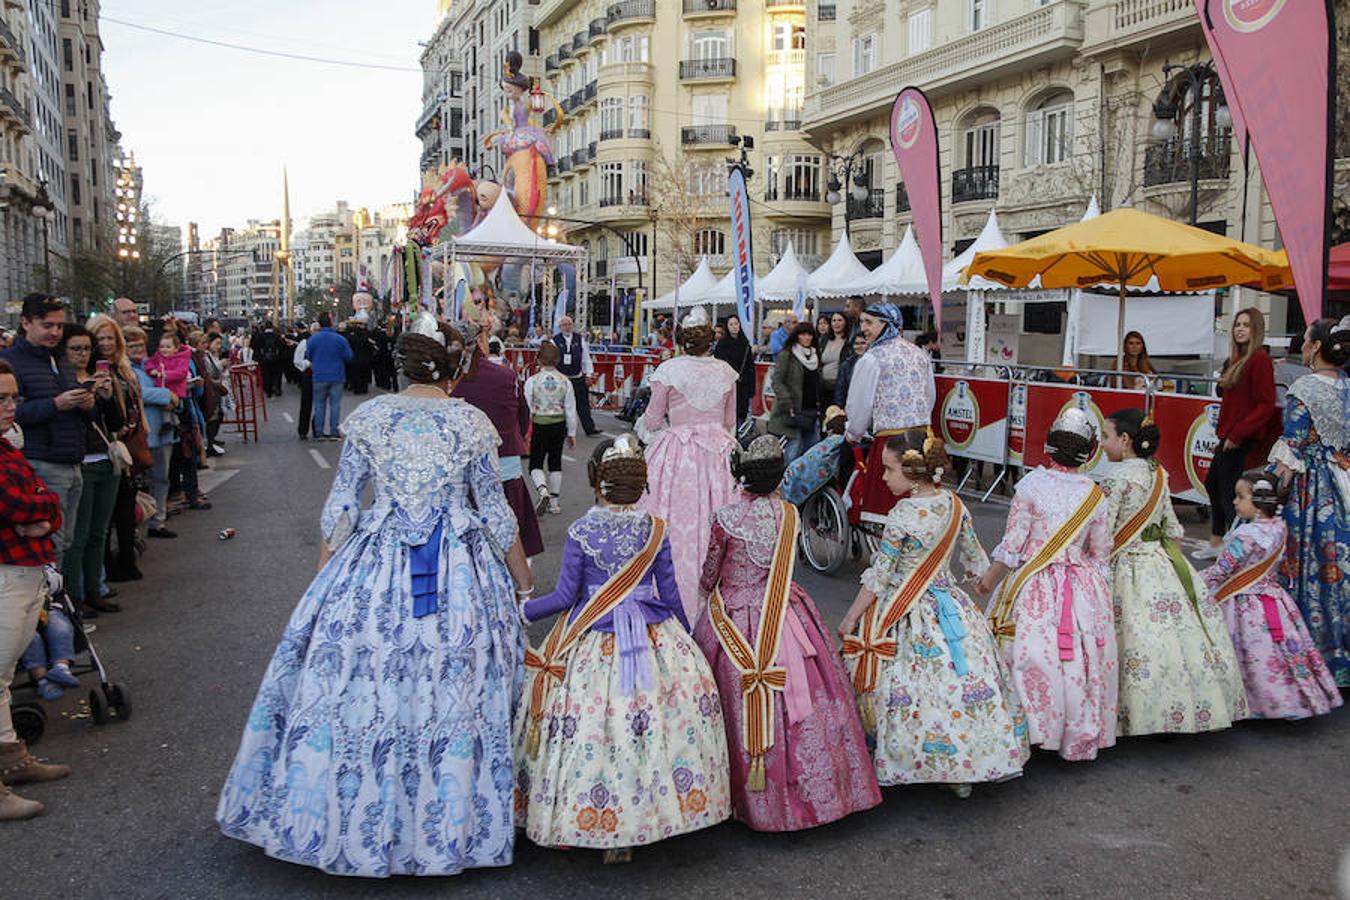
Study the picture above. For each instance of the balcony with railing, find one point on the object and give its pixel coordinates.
(1046, 34)
(1169, 162)
(1125, 23)
(784, 120)
(694, 8)
(10, 106)
(590, 92)
(564, 164)
(641, 134)
(713, 69)
(575, 99)
(707, 135)
(975, 183)
(611, 134)
(580, 159)
(580, 42)
(825, 12)
(597, 29)
(785, 5)
(632, 198)
(901, 198)
(551, 63)
(631, 12)
(550, 116)
(564, 53)
(873, 206)
(565, 104)
(616, 74)
(11, 48)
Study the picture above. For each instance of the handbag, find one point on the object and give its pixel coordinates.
(118, 454)
(142, 460)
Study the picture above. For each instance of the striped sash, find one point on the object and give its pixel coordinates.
(870, 645)
(760, 673)
(1241, 580)
(1000, 619)
(549, 664)
(1130, 530)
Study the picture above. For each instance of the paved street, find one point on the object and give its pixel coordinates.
(1259, 811)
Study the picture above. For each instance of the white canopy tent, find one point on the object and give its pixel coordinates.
(838, 273)
(900, 275)
(990, 238)
(781, 284)
(691, 289)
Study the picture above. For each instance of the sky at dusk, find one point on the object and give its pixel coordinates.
(212, 127)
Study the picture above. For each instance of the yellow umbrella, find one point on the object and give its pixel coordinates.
(1128, 247)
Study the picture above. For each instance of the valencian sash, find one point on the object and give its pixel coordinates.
(549, 662)
(871, 643)
(1130, 530)
(760, 673)
(1242, 579)
(1000, 619)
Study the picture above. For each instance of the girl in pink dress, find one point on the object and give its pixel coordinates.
(688, 428)
(1282, 669)
(816, 769)
(1053, 614)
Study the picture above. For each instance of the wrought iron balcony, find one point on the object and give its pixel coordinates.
(696, 7)
(873, 206)
(716, 135)
(17, 110)
(640, 133)
(579, 41)
(825, 12)
(591, 91)
(550, 116)
(564, 164)
(1169, 162)
(783, 4)
(566, 104)
(793, 193)
(632, 198)
(629, 10)
(591, 150)
(611, 134)
(597, 29)
(576, 98)
(11, 45)
(901, 197)
(551, 63)
(975, 183)
(707, 69)
(564, 52)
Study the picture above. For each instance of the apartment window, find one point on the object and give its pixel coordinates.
(710, 242)
(70, 100)
(864, 54)
(73, 145)
(611, 118)
(1049, 130)
(635, 242)
(977, 14)
(638, 115)
(584, 192)
(789, 36)
(710, 109)
(825, 68)
(75, 190)
(65, 9)
(804, 243)
(920, 31)
(638, 181)
(706, 179)
(611, 183)
(981, 141)
(708, 45)
(802, 177)
(633, 48)
(67, 55)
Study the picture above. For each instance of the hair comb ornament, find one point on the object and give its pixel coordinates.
(625, 446)
(425, 324)
(1075, 421)
(695, 318)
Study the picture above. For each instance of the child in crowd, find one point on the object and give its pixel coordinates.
(1177, 672)
(1282, 669)
(925, 664)
(798, 753)
(553, 414)
(171, 367)
(619, 740)
(50, 654)
(1052, 614)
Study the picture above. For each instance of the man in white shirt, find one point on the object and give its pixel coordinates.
(577, 366)
(306, 384)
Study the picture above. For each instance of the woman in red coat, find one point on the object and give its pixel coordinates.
(1246, 414)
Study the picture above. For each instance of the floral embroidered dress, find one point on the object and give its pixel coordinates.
(1063, 657)
(946, 710)
(1316, 567)
(688, 428)
(1284, 673)
(818, 769)
(380, 740)
(631, 748)
(1177, 673)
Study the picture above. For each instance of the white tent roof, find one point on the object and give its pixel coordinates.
(693, 287)
(901, 274)
(501, 233)
(991, 238)
(721, 294)
(838, 274)
(781, 284)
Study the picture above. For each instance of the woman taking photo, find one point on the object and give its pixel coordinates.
(110, 343)
(833, 347)
(735, 350)
(796, 392)
(1247, 389)
(1313, 460)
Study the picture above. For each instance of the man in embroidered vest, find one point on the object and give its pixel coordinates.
(577, 366)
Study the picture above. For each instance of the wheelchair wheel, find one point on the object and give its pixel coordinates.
(30, 722)
(825, 540)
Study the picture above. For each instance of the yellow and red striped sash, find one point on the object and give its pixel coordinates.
(870, 644)
(549, 663)
(760, 673)
(1245, 578)
(1130, 530)
(1000, 619)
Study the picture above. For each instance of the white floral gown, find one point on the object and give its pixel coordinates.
(1068, 693)
(945, 707)
(1177, 670)
(380, 740)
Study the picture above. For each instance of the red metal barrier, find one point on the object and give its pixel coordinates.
(246, 389)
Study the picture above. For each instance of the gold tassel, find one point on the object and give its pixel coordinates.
(755, 780)
(532, 740)
(868, 713)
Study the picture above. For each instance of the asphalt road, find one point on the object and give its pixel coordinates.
(1259, 811)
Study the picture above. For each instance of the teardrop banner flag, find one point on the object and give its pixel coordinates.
(742, 253)
(914, 143)
(1275, 57)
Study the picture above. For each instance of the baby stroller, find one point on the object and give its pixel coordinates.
(636, 405)
(29, 711)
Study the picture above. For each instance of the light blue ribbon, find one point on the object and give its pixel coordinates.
(953, 629)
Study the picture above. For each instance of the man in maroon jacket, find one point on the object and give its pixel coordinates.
(496, 391)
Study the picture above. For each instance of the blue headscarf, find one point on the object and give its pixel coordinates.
(891, 315)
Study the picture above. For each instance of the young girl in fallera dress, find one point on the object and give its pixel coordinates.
(925, 665)
(1052, 615)
(1283, 671)
(798, 754)
(619, 738)
(1177, 671)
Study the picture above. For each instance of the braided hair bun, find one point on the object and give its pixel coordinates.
(695, 340)
(424, 361)
(1267, 495)
(621, 480)
(923, 457)
(1143, 433)
(1334, 337)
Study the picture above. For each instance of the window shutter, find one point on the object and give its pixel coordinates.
(1035, 130)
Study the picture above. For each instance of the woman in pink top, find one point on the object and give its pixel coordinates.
(688, 428)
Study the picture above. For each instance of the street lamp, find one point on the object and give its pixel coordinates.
(1165, 110)
(43, 209)
(842, 173)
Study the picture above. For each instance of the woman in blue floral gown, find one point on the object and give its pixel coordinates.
(380, 740)
(1313, 458)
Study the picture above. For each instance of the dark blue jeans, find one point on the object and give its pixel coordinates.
(327, 399)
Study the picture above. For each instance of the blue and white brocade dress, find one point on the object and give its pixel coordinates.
(380, 740)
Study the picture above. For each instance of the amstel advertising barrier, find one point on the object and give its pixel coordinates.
(1005, 422)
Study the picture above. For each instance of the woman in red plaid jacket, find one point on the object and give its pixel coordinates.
(29, 513)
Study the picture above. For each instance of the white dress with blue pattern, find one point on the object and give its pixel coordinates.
(380, 742)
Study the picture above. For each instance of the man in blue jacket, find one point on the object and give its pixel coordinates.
(328, 353)
(53, 414)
